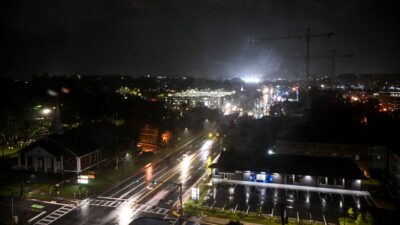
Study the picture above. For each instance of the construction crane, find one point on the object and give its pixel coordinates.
(306, 36)
(333, 56)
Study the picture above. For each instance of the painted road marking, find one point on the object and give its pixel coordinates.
(55, 215)
(149, 209)
(37, 216)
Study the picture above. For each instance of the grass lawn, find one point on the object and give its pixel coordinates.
(371, 181)
(10, 151)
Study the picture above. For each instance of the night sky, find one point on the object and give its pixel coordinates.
(194, 37)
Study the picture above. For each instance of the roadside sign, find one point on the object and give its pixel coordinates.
(195, 193)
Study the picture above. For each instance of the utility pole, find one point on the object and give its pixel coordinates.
(12, 208)
(21, 195)
(308, 53)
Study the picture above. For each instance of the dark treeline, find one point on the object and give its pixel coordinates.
(86, 100)
(331, 118)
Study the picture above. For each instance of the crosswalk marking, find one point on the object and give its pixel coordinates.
(106, 203)
(55, 215)
(134, 206)
(149, 209)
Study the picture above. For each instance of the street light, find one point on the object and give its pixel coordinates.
(46, 111)
(271, 152)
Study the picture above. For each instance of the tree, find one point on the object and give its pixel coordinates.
(350, 212)
(369, 219)
(359, 219)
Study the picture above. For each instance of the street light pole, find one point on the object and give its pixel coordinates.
(21, 199)
(12, 208)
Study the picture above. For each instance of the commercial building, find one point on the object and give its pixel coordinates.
(328, 172)
(191, 98)
(148, 141)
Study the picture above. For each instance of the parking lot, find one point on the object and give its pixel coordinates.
(301, 205)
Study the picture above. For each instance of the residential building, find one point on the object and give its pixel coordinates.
(70, 152)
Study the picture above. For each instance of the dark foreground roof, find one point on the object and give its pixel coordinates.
(290, 164)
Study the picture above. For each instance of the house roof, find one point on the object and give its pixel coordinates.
(50, 145)
(75, 142)
(290, 164)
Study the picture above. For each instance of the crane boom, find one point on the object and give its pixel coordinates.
(306, 36)
(332, 56)
(294, 37)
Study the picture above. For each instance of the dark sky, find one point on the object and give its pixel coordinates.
(194, 37)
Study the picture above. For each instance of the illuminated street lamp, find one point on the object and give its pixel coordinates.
(46, 111)
(271, 152)
(186, 132)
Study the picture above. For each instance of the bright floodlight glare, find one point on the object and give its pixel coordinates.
(251, 79)
(46, 111)
(270, 152)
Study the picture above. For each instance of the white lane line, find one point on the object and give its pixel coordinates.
(37, 216)
(171, 171)
(135, 182)
(156, 164)
(142, 183)
(49, 202)
(109, 198)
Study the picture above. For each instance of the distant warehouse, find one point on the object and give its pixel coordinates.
(327, 172)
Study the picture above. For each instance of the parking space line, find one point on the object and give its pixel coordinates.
(236, 208)
(213, 204)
